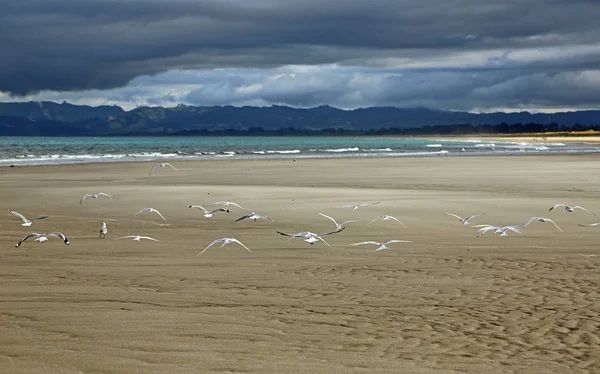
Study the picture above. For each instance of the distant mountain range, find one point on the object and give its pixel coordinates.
(50, 119)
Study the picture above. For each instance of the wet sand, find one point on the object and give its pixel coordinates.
(448, 303)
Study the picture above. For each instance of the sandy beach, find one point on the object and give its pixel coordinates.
(447, 303)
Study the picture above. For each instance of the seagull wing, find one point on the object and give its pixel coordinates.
(368, 242)
(142, 210)
(333, 232)
(243, 217)
(59, 235)
(240, 243)
(326, 216)
(454, 215)
(321, 239)
(590, 225)
(554, 223)
(157, 212)
(33, 234)
(582, 208)
(397, 220)
(286, 234)
(173, 167)
(40, 217)
(152, 169)
(85, 197)
(103, 194)
(397, 241)
(210, 245)
(374, 219)
(126, 237)
(234, 204)
(149, 238)
(530, 220)
(217, 210)
(472, 216)
(18, 215)
(556, 206)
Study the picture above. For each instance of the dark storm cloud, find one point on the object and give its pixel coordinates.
(64, 45)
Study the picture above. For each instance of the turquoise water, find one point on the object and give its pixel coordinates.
(41, 150)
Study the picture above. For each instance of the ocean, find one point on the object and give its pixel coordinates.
(66, 150)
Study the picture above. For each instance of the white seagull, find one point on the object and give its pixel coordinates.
(310, 237)
(43, 237)
(26, 222)
(502, 230)
(227, 203)
(465, 221)
(385, 217)
(93, 196)
(103, 230)
(253, 216)
(161, 165)
(570, 208)
(137, 238)
(207, 213)
(542, 219)
(382, 246)
(356, 206)
(339, 226)
(150, 210)
(225, 241)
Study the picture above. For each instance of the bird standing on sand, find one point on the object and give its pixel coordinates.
(93, 196)
(43, 237)
(26, 222)
(103, 230)
(161, 165)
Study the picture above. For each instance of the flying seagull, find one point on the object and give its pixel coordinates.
(502, 230)
(382, 246)
(570, 208)
(225, 241)
(356, 206)
(465, 221)
(227, 203)
(207, 213)
(161, 165)
(253, 216)
(310, 237)
(590, 224)
(542, 219)
(103, 230)
(93, 196)
(385, 217)
(150, 210)
(339, 226)
(26, 222)
(137, 238)
(43, 237)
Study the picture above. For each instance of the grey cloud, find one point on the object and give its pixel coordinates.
(69, 45)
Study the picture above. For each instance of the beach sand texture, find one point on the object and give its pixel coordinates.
(448, 303)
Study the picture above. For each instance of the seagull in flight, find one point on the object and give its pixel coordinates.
(161, 165)
(150, 210)
(339, 226)
(43, 237)
(590, 224)
(103, 230)
(227, 203)
(310, 237)
(502, 230)
(207, 213)
(570, 208)
(382, 246)
(465, 221)
(356, 206)
(93, 196)
(225, 241)
(137, 238)
(26, 222)
(542, 219)
(253, 216)
(385, 217)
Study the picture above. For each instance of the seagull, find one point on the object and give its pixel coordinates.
(542, 219)
(227, 203)
(151, 210)
(208, 214)
(590, 224)
(161, 165)
(93, 196)
(385, 217)
(310, 237)
(43, 237)
(465, 221)
(502, 230)
(253, 216)
(356, 206)
(225, 241)
(570, 208)
(137, 238)
(339, 226)
(383, 245)
(26, 222)
(103, 230)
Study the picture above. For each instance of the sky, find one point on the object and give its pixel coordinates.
(467, 55)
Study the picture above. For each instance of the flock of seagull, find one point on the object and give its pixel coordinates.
(307, 236)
